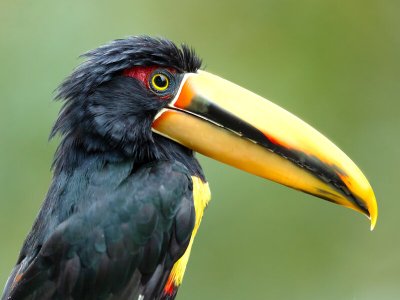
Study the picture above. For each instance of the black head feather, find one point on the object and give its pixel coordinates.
(108, 114)
(108, 60)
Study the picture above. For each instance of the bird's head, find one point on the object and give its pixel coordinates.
(144, 97)
(113, 97)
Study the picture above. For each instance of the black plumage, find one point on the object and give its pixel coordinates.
(126, 200)
(108, 226)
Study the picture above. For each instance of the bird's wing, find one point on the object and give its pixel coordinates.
(122, 247)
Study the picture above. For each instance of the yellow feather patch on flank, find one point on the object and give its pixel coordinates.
(201, 197)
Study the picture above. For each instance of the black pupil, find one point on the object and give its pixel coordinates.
(160, 81)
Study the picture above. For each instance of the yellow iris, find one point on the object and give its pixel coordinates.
(160, 82)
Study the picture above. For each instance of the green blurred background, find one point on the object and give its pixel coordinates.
(335, 64)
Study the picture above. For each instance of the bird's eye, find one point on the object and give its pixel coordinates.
(159, 82)
(162, 83)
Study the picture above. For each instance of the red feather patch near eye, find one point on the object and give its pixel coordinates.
(143, 73)
(140, 73)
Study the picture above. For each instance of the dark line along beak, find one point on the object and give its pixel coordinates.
(235, 126)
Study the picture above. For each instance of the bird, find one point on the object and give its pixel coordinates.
(128, 194)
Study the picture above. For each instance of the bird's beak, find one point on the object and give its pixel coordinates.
(233, 125)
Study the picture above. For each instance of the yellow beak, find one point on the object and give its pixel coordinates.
(235, 126)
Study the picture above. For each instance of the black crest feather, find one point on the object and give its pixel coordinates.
(108, 60)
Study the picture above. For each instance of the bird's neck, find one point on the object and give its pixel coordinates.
(72, 152)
